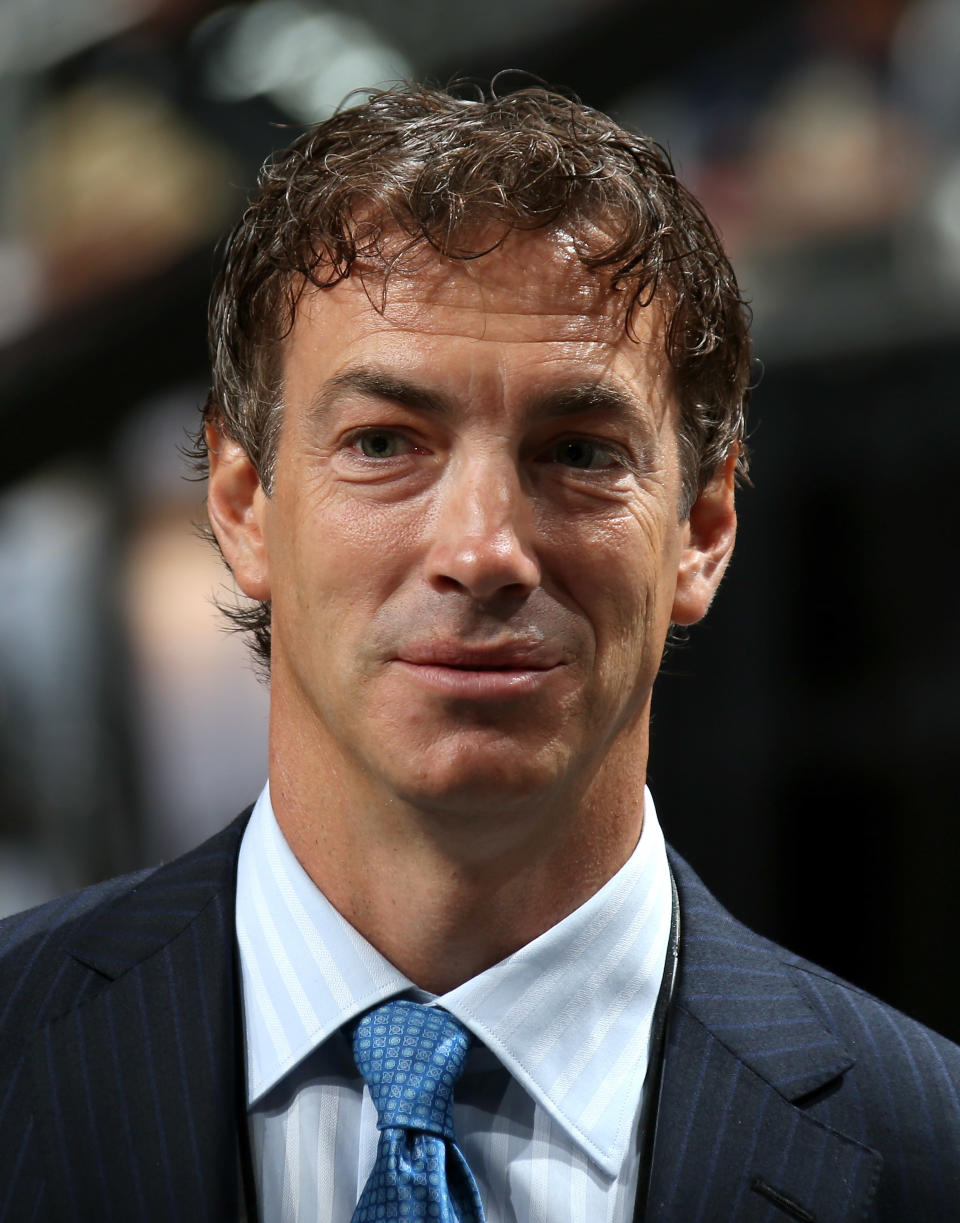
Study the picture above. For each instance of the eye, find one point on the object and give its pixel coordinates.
(582, 453)
(381, 444)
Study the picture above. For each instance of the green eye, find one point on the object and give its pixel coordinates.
(380, 445)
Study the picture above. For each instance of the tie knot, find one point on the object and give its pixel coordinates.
(411, 1057)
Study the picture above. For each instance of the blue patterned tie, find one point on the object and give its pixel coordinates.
(411, 1056)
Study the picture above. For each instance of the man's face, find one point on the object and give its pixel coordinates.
(473, 540)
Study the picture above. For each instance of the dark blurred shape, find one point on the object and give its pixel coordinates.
(805, 737)
(115, 185)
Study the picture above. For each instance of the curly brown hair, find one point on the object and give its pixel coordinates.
(446, 171)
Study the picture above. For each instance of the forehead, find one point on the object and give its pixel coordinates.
(529, 305)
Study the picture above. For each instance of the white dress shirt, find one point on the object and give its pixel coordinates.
(547, 1111)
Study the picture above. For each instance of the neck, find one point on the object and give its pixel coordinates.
(445, 894)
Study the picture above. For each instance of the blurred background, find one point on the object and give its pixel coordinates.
(804, 740)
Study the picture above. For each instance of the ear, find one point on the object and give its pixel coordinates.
(710, 533)
(236, 504)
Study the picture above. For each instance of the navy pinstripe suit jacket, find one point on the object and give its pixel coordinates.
(786, 1094)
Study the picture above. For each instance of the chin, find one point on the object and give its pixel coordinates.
(467, 781)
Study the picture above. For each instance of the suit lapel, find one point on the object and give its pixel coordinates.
(137, 1088)
(743, 1047)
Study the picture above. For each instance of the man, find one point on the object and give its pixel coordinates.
(480, 370)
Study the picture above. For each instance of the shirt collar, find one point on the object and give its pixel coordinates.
(569, 1014)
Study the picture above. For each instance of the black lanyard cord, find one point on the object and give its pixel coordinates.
(658, 1042)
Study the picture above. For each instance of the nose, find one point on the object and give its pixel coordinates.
(483, 534)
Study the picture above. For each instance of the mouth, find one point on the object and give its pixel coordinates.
(493, 672)
(515, 655)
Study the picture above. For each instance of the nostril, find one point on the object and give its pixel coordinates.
(484, 571)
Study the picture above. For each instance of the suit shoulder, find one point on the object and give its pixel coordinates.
(854, 1015)
(54, 955)
(855, 1065)
(25, 935)
(874, 1030)
(34, 945)
(901, 1095)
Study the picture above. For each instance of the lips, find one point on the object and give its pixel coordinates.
(489, 672)
(508, 656)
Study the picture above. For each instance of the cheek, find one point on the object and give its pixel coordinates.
(342, 556)
(627, 583)
(626, 553)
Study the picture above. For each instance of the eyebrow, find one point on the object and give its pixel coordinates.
(556, 403)
(376, 384)
(597, 397)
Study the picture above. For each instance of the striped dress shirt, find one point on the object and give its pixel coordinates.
(547, 1112)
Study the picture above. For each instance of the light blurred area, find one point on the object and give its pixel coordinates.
(815, 709)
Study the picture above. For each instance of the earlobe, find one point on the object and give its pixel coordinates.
(710, 533)
(235, 506)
